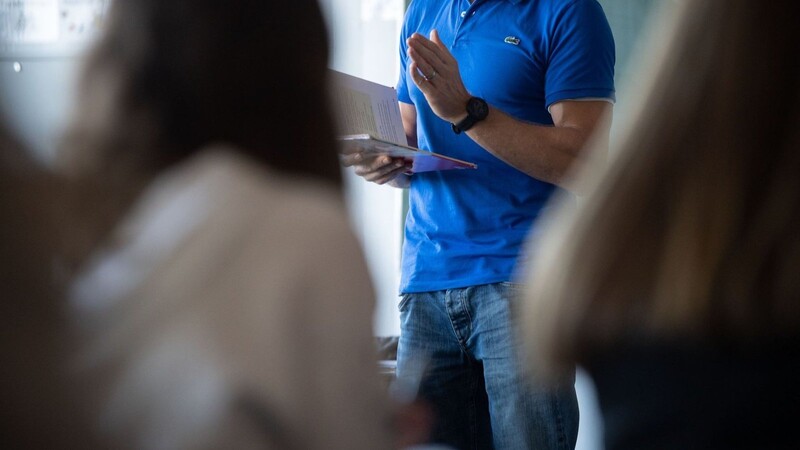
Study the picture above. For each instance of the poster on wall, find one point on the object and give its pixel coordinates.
(29, 21)
(81, 19)
(47, 22)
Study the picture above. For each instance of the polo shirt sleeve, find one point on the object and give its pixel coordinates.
(581, 59)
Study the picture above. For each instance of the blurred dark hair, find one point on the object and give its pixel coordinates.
(40, 409)
(171, 76)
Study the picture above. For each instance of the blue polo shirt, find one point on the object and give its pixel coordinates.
(466, 227)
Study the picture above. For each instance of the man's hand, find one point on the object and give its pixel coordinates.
(547, 153)
(379, 169)
(435, 72)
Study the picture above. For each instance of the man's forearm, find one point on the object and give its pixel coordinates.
(547, 153)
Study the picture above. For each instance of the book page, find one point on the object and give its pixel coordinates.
(364, 107)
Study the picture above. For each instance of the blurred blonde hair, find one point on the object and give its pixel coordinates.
(694, 230)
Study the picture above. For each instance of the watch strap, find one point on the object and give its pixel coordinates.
(464, 125)
(477, 110)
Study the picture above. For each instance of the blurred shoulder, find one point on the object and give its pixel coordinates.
(215, 215)
(242, 188)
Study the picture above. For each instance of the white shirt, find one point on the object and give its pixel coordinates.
(231, 309)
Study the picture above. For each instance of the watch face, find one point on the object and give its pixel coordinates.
(477, 108)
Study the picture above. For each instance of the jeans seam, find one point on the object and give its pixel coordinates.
(562, 436)
(473, 410)
(460, 339)
(463, 298)
(463, 295)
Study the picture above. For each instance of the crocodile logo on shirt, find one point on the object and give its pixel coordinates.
(511, 40)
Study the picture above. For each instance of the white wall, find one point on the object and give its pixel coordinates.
(364, 35)
(40, 45)
(35, 95)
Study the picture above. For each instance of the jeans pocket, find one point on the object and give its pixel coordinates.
(514, 289)
(404, 299)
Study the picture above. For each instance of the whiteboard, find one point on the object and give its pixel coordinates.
(49, 27)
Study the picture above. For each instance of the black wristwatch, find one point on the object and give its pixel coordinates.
(477, 110)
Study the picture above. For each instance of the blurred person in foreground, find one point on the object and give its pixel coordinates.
(38, 407)
(676, 286)
(228, 305)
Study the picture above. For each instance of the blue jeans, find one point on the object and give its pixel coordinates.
(472, 377)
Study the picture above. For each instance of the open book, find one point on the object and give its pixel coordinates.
(368, 117)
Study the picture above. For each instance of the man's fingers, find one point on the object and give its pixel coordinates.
(379, 168)
(435, 38)
(424, 70)
(426, 49)
(419, 80)
(443, 52)
(350, 157)
(368, 161)
(391, 175)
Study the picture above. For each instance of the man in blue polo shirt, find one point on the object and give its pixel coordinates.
(516, 86)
